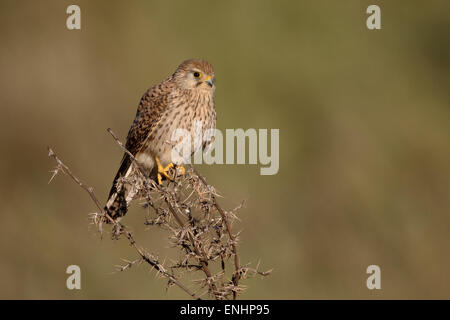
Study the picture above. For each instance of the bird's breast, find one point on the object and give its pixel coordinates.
(183, 116)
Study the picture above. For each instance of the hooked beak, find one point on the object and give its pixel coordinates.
(209, 81)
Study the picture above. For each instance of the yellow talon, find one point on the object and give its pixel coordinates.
(165, 171)
(162, 171)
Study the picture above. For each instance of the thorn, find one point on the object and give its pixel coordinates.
(55, 172)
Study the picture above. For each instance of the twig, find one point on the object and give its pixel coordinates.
(188, 210)
(120, 227)
(202, 261)
(236, 276)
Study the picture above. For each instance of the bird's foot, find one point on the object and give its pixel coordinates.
(163, 171)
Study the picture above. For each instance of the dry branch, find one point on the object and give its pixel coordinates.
(187, 208)
(118, 226)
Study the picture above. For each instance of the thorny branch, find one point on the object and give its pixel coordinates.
(204, 264)
(236, 275)
(150, 259)
(187, 208)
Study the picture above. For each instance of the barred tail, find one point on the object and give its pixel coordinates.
(117, 204)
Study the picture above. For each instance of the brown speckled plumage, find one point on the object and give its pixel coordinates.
(176, 102)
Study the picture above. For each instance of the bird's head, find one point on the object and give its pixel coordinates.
(195, 74)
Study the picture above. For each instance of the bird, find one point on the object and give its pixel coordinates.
(178, 102)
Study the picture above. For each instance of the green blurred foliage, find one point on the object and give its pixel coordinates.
(364, 119)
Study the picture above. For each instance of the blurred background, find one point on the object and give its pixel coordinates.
(364, 119)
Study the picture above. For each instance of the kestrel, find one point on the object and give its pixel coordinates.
(177, 102)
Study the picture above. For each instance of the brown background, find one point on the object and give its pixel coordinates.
(364, 123)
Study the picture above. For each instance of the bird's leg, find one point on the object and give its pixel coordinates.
(163, 171)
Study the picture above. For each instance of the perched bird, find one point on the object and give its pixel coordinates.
(186, 97)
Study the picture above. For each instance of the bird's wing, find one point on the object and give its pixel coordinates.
(149, 112)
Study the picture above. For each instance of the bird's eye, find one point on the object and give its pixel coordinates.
(197, 74)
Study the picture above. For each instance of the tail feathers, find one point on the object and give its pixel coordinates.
(125, 188)
(117, 205)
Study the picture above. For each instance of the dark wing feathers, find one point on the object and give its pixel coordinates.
(149, 111)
